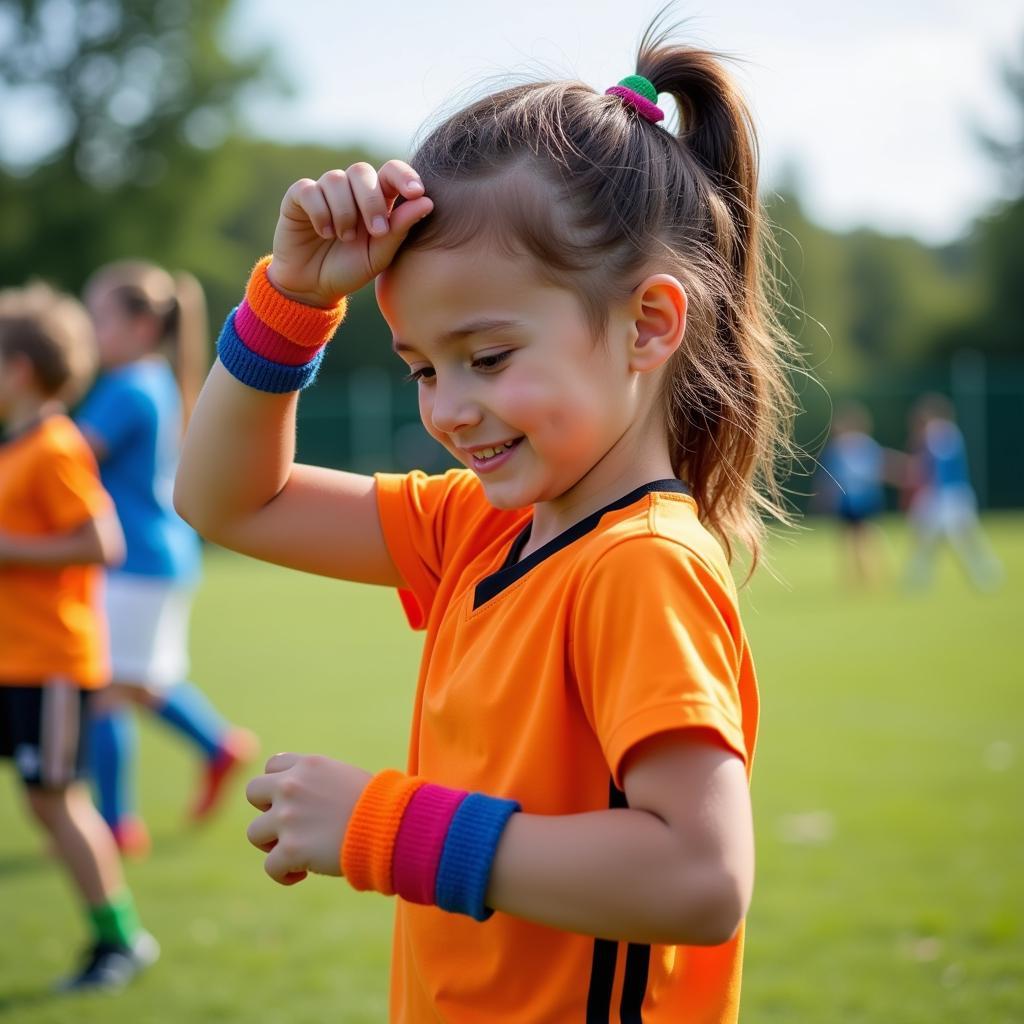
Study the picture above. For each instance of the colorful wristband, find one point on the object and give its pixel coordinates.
(299, 323)
(259, 373)
(430, 844)
(368, 850)
(421, 839)
(266, 342)
(469, 849)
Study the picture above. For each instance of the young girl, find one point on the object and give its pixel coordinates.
(133, 422)
(580, 297)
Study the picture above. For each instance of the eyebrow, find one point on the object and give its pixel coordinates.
(485, 325)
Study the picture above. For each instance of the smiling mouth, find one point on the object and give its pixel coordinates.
(485, 455)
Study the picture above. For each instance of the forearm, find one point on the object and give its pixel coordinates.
(88, 545)
(620, 874)
(237, 455)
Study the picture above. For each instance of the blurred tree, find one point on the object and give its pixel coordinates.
(997, 325)
(127, 100)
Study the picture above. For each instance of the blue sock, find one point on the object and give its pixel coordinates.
(112, 740)
(187, 710)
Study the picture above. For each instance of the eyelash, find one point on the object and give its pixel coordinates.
(494, 362)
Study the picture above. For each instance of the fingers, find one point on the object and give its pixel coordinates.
(281, 762)
(337, 192)
(383, 250)
(262, 833)
(282, 866)
(339, 200)
(397, 178)
(369, 198)
(260, 792)
(305, 201)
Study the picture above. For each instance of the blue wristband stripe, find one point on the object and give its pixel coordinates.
(469, 849)
(257, 372)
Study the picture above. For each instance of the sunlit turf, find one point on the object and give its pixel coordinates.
(887, 791)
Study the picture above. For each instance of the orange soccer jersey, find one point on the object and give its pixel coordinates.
(538, 677)
(50, 623)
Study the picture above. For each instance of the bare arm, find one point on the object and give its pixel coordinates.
(237, 482)
(97, 541)
(238, 485)
(676, 867)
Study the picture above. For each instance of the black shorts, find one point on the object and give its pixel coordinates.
(43, 729)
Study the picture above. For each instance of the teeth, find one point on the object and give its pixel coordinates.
(489, 453)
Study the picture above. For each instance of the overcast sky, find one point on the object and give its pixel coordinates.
(873, 101)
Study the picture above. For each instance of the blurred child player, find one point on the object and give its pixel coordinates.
(57, 529)
(855, 469)
(145, 320)
(579, 296)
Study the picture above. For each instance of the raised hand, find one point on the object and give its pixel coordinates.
(338, 233)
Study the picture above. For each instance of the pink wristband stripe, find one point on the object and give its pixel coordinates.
(262, 339)
(302, 324)
(420, 841)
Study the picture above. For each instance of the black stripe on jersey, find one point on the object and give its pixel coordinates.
(514, 569)
(602, 978)
(602, 965)
(634, 984)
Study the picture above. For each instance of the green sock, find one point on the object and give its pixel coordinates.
(116, 923)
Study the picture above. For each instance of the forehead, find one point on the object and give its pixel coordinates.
(426, 290)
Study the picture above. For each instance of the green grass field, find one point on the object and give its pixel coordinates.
(887, 792)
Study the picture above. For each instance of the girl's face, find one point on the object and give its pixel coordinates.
(511, 378)
(121, 337)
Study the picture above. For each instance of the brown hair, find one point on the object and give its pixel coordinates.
(177, 303)
(623, 197)
(53, 332)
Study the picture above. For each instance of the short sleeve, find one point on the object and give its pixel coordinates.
(67, 486)
(114, 412)
(657, 646)
(419, 514)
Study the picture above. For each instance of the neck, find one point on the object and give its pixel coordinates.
(638, 457)
(25, 410)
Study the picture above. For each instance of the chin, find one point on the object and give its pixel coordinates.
(507, 496)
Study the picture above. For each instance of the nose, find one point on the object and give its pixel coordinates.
(453, 407)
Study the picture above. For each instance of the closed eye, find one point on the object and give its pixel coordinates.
(423, 373)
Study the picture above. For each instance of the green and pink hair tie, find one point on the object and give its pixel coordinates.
(427, 844)
(639, 93)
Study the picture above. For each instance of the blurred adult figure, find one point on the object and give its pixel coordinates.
(151, 331)
(942, 505)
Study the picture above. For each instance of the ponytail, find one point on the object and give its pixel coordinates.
(729, 398)
(190, 339)
(178, 306)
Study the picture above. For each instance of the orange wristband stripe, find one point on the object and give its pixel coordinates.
(299, 323)
(368, 850)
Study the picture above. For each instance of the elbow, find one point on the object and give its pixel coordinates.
(709, 908)
(182, 505)
(191, 510)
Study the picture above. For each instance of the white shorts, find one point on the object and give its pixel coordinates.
(148, 630)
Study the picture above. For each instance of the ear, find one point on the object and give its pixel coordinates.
(658, 311)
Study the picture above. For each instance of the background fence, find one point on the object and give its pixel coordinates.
(370, 421)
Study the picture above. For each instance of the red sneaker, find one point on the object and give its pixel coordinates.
(132, 837)
(239, 748)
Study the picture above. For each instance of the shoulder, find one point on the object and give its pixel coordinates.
(59, 437)
(455, 499)
(664, 528)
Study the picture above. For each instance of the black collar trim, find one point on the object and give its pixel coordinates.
(515, 569)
